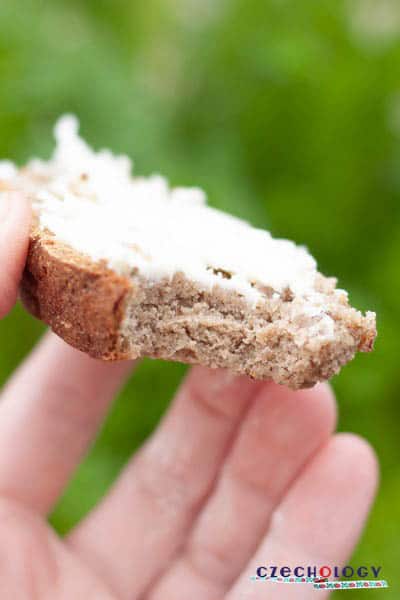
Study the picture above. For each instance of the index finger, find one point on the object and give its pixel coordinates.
(15, 220)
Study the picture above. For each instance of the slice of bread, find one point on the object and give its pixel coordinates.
(123, 267)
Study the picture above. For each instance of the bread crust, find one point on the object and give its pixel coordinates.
(112, 317)
(82, 301)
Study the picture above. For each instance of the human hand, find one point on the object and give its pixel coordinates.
(237, 475)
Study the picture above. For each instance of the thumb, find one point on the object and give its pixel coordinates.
(15, 220)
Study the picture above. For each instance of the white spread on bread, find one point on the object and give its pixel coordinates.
(91, 201)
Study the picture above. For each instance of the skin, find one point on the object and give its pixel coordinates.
(237, 475)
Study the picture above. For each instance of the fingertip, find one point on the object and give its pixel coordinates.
(15, 222)
(317, 405)
(220, 381)
(14, 207)
(361, 457)
(324, 394)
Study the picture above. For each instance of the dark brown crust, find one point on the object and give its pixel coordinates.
(82, 301)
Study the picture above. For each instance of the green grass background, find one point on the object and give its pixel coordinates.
(288, 114)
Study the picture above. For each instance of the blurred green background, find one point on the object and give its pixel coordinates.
(288, 114)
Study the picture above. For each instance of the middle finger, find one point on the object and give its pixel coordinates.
(145, 518)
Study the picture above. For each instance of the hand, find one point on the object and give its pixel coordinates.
(239, 474)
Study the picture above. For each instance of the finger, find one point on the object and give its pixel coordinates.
(319, 521)
(282, 430)
(53, 406)
(15, 220)
(145, 518)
